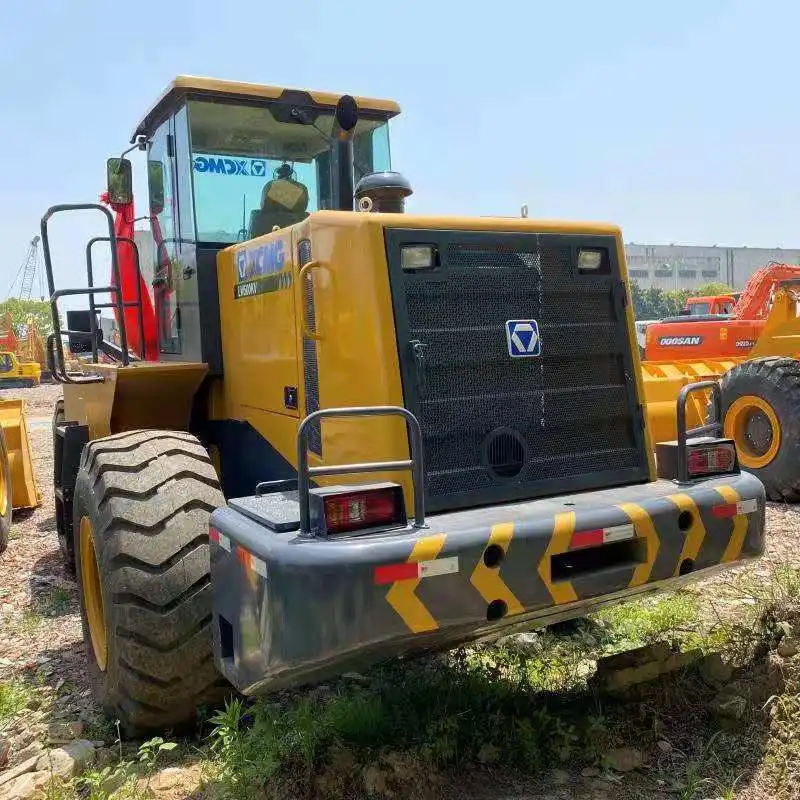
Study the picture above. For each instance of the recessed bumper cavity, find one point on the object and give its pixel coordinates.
(290, 609)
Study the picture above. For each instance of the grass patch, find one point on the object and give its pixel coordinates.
(56, 603)
(672, 618)
(14, 697)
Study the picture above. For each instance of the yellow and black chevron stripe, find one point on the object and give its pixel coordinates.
(509, 569)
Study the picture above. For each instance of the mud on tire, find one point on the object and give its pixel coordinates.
(147, 496)
(776, 381)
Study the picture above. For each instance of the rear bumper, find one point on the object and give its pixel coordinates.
(289, 610)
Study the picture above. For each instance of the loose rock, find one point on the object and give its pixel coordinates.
(169, 778)
(62, 732)
(714, 670)
(25, 786)
(625, 759)
(69, 760)
(10, 774)
(788, 647)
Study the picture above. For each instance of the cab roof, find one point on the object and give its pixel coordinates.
(213, 88)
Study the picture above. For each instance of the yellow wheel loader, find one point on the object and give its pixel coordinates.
(18, 488)
(368, 433)
(760, 395)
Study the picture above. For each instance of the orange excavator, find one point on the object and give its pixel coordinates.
(719, 335)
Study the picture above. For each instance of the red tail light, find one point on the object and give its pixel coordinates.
(373, 508)
(711, 460)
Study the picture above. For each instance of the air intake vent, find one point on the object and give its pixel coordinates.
(310, 366)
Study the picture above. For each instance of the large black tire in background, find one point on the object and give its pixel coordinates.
(6, 494)
(141, 510)
(761, 412)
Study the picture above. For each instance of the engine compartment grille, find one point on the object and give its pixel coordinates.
(497, 427)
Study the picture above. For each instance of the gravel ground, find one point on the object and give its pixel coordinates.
(40, 629)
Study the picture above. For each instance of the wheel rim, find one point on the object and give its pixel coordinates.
(93, 595)
(753, 424)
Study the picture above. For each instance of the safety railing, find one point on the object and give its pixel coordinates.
(55, 344)
(414, 464)
(714, 427)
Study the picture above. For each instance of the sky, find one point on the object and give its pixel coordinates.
(677, 121)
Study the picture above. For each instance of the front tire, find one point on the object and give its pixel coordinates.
(761, 413)
(140, 520)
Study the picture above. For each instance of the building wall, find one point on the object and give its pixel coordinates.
(687, 267)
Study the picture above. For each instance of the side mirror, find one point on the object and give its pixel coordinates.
(155, 186)
(119, 179)
(346, 116)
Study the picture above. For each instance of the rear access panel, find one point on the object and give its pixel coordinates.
(517, 365)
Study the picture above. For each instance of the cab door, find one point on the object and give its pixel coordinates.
(163, 223)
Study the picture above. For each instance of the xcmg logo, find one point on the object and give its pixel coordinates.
(219, 165)
(263, 260)
(680, 341)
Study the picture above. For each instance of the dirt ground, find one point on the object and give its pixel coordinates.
(40, 628)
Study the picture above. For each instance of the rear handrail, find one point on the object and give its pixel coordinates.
(59, 362)
(415, 464)
(714, 427)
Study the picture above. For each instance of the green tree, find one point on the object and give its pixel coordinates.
(711, 289)
(21, 310)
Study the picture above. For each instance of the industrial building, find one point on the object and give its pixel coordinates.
(687, 267)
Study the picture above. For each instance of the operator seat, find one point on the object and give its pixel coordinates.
(283, 202)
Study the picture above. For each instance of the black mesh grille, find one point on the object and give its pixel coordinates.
(311, 370)
(495, 424)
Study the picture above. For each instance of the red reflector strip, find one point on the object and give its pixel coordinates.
(598, 536)
(586, 538)
(735, 509)
(220, 538)
(414, 571)
(249, 561)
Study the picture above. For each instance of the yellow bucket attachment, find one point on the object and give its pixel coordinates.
(24, 492)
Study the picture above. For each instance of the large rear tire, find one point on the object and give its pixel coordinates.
(6, 504)
(761, 413)
(140, 519)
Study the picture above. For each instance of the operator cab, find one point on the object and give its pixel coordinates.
(227, 162)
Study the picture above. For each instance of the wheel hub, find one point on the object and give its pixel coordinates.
(758, 431)
(753, 424)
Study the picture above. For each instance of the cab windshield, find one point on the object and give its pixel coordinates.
(254, 167)
(698, 309)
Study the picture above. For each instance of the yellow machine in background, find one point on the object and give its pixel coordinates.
(18, 488)
(760, 397)
(18, 374)
(32, 349)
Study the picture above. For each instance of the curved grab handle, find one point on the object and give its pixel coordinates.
(301, 277)
(415, 464)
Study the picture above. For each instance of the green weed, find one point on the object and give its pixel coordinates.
(14, 697)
